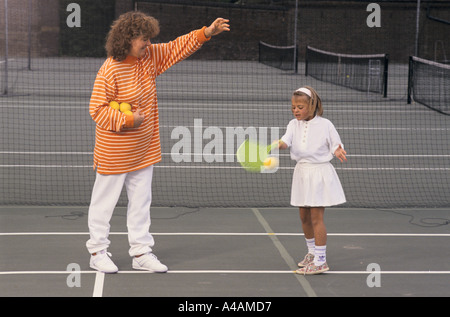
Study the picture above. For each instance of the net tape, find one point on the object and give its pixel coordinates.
(429, 84)
(366, 73)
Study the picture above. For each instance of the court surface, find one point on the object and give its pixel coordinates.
(242, 252)
(398, 157)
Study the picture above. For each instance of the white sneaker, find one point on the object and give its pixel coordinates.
(102, 262)
(149, 262)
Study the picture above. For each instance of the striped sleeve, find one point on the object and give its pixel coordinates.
(117, 148)
(168, 54)
(104, 116)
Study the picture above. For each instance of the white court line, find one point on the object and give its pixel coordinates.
(100, 276)
(98, 285)
(169, 105)
(418, 129)
(223, 109)
(83, 105)
(225, 154)
(232, 234)
(45, 153)
(238, 167)
(47, 166)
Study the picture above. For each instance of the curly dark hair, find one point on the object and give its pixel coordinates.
(127, 27)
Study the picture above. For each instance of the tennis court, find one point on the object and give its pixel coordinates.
(224, 232)
(235, 252)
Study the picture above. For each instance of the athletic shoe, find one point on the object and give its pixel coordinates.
(101, 262)
(309, 258)
(313, 269)
(149, 262)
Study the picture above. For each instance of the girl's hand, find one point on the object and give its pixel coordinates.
(217, 27)
(280, 144)
(340, 153)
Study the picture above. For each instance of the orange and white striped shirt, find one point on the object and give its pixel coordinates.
(119, 148)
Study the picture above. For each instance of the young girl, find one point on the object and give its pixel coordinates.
(313, 141)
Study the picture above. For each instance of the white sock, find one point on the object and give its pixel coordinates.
(320, 255)
(310, 243)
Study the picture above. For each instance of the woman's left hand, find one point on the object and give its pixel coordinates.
(217, 27)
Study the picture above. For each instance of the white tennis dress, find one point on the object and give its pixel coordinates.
(315, 182)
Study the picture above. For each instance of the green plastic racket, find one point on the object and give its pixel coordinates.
(251, 155)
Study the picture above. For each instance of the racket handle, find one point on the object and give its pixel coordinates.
(275, 144)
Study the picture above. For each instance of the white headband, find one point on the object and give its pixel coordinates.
(305, 91)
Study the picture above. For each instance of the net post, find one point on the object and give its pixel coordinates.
(295, 38)
(259, 52)
(306, 62)
(385, 74)
(416, 44)
(30, 8)
(410, 74)
(5, 78)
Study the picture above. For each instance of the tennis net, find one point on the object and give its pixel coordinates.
(429, 84)
(368, 73)
(398, 154)
(281, 57)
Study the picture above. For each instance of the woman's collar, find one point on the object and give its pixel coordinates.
(130, 60)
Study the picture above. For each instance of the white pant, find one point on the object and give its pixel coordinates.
(105, 194)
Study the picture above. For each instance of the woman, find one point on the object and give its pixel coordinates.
(127, 146)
